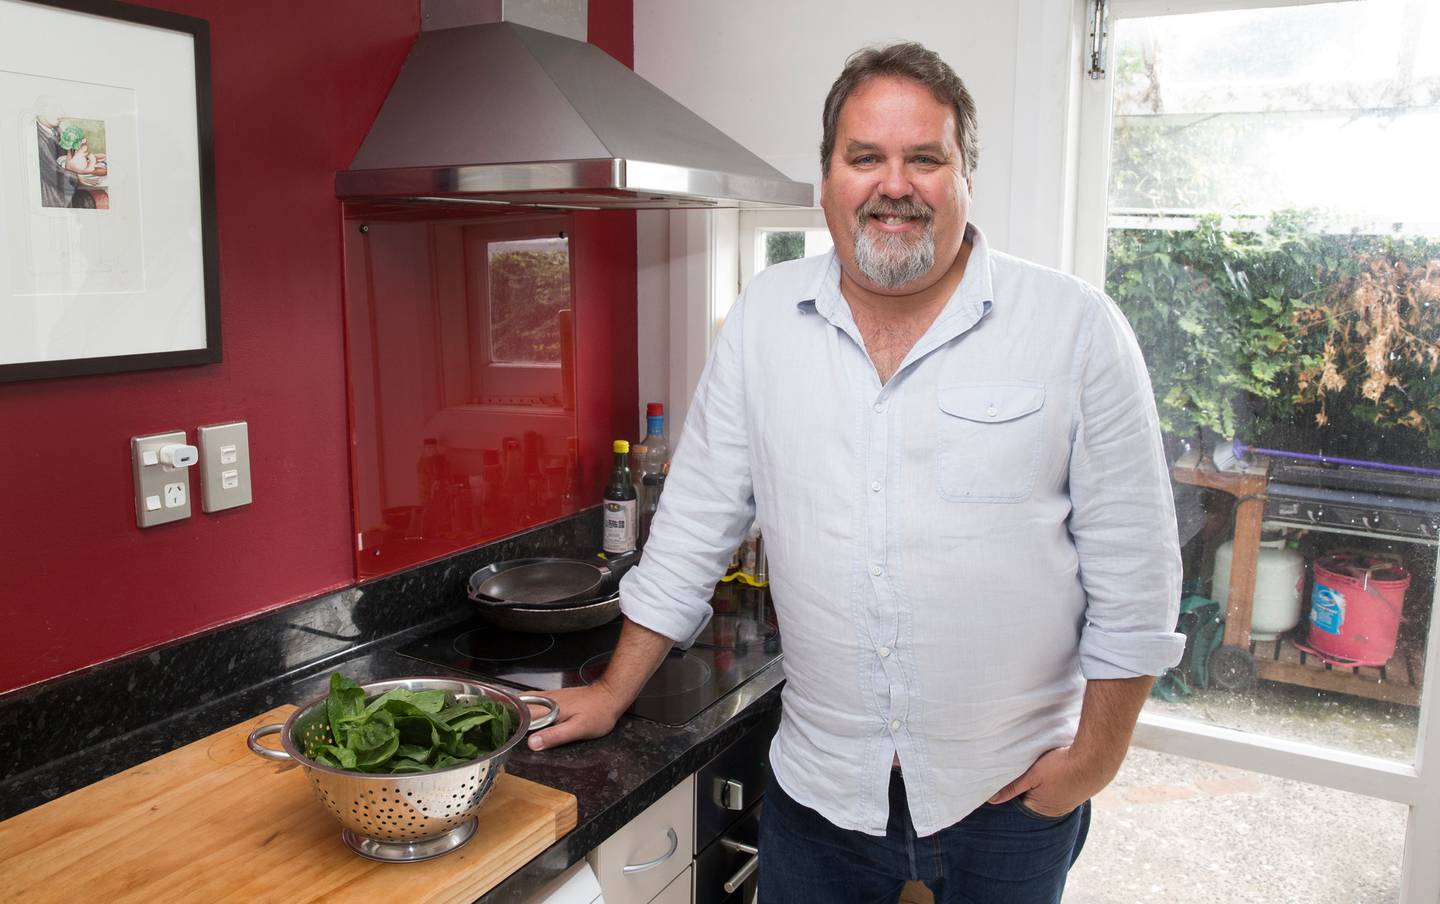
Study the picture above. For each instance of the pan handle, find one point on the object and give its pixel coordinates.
(549, 718)
(617, 565)
(269, 753)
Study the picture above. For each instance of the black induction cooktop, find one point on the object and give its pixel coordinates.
(740, 640)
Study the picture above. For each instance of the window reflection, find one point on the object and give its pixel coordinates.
(528, 289)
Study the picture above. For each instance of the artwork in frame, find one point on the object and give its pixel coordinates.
(108, 248)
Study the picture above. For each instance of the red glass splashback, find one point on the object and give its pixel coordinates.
(488, 369)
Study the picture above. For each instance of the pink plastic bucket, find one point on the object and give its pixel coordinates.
(1355, 607)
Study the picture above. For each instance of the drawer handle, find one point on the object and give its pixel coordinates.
(651, 864)
(746, 869)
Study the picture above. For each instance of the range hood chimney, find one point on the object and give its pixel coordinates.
(502, 103)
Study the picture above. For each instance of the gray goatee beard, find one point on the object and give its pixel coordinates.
(887, 260)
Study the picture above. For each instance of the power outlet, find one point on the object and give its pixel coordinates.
(161, 465)
(224, 466)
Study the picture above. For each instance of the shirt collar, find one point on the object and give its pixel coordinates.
(971, 300)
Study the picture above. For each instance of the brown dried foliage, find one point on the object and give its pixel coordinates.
(1385, 314)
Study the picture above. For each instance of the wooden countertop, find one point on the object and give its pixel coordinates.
(212, 821)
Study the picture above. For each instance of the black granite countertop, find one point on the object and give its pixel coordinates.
(613, 778)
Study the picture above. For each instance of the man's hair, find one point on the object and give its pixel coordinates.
(914, 62)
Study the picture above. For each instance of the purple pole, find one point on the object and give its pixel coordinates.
(1241, 450)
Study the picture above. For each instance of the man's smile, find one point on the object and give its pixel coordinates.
(895, 217)
(892, 223)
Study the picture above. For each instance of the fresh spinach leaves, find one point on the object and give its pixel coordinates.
(407, 731)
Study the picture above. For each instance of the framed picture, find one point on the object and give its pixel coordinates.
(108, 255)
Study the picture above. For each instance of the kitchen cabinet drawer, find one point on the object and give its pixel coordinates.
(655, 846)
(678, 891)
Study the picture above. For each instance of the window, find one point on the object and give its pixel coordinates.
(769, 237)
(1256, 195)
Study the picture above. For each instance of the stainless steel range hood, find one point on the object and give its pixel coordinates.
(494, 112)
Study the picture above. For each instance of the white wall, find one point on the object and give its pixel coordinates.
(759, 70)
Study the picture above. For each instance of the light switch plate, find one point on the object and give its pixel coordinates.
(224, 466)
(162, 493)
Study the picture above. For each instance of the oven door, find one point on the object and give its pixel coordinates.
(725, 871)
(729, 791)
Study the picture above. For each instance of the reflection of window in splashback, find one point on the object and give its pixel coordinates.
(492, 359)
(529, 288)
(519, 312)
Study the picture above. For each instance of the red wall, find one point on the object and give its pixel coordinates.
(295, 88)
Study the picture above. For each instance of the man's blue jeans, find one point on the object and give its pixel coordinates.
(1000, 854)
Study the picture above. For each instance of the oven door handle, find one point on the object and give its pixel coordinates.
(630, 868)
(747, 869)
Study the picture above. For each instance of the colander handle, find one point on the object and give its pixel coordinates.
(269, 753)
(549, 718)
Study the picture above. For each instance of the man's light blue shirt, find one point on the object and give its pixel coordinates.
(952, 554)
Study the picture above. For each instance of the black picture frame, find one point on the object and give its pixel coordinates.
(198, 30)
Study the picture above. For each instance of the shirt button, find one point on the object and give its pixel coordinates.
(992, 411)
(883, 651)
(879, 408)
(895, 725)
(876, 570)
(875, 487)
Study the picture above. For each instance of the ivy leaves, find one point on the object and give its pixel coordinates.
(1188, 296)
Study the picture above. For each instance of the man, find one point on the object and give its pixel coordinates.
(955, 461)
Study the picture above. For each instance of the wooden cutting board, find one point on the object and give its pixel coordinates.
(213, 822)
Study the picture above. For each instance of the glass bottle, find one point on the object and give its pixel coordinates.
(651, 485)
(621, 506)
(638, 464)
(657, 448)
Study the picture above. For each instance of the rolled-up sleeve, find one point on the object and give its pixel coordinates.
(1122, 510)
(707, 504)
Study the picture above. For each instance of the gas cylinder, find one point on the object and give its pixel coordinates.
(1279, 585)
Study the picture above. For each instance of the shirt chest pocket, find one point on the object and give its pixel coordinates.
(988, 440)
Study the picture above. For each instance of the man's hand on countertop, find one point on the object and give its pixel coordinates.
(585, 712)
(592, 711)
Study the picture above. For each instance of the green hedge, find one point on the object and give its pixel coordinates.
(1319, 342)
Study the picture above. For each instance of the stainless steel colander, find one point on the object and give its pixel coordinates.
(411, 816)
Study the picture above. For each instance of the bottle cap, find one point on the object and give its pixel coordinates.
(654, 409)
(622, 445)
(639, 449)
